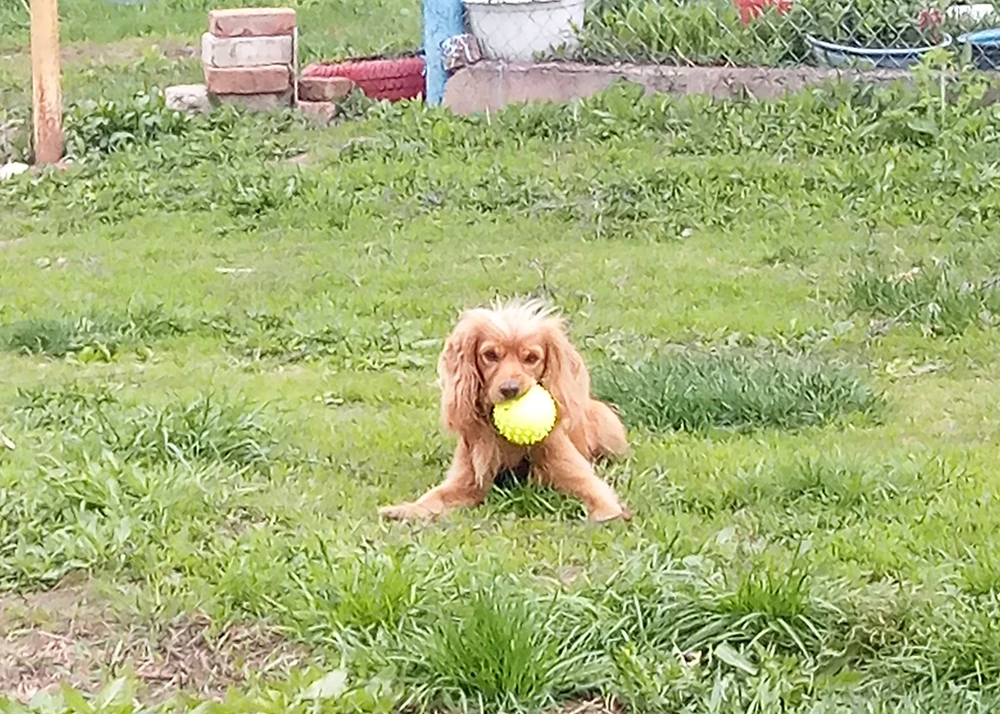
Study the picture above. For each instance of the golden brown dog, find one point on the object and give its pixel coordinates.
(498, 354)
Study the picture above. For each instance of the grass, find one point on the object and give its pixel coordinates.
(219, 362)
(501, 650)
(936, 297)
(201, 430)
(98, 336)
(690, 391)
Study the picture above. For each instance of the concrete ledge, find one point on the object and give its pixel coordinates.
(488, 86)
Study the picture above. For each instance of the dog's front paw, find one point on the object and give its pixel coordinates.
(603, 515)
(405, 512)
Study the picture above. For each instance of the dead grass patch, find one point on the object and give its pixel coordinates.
(67, 636)
(596, 705)
(125, 50)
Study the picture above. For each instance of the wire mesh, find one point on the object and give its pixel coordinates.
(866, 34)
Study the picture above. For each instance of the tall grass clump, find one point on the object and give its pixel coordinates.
(504, 648)
(103, 334)
(205, 429)
(935, 297)
(695, 391)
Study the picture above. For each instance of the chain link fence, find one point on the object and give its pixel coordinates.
(884, 34)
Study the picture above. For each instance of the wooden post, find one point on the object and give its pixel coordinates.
(46, 90)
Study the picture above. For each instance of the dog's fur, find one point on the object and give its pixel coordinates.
(500, 353)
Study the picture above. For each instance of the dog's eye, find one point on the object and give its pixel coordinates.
(490, 356)
(531, 358)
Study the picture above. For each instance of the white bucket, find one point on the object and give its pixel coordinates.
(515, 30)
(976, 12)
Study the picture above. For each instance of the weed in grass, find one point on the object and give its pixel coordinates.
(734, 389)
(526, 500)
(13, 138)
(369, 590)
(314, 690)
(771, 607)
(390, 344)
(104, 126)
(935, 698)
(73, 408)
(838, 484)
(206, 429)
(935, 297)
(843, 489)
(112, 184)
(103, 513)
(656, 681)
(252, 191)
(502, 649)
(965, 643)
(100, 336)
(788, 254)
(95, 129)
(980, 575)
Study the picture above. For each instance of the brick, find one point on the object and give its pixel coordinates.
(245, 51)
(254, 102)
(324, 89)
(248, 80)
(321, 111)
(251, 22)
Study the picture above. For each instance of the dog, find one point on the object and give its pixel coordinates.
(499, 353)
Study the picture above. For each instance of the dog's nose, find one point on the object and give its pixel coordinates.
(510, 388)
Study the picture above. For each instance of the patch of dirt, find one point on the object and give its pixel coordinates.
(127, 50)
(65, 635)
(124, 51)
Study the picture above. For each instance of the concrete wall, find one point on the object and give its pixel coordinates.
(491, 85)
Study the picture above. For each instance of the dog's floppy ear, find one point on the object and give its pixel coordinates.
(461, 382)
(565, 375)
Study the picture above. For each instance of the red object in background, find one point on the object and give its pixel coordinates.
(391, 79)
(930, 20)
(751, 9)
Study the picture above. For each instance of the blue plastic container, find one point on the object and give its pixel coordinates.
(834, 55)
(985, 45)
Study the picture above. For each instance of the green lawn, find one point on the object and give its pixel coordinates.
(218, 343)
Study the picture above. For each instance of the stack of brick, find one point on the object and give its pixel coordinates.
(250, 56)
(319, 96)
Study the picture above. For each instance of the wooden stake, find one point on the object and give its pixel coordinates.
(47, 93)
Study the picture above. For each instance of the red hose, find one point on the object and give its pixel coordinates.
(391, 79)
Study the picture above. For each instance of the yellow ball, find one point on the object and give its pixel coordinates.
(528, 419)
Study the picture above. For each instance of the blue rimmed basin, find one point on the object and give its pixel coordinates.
(834, 55)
